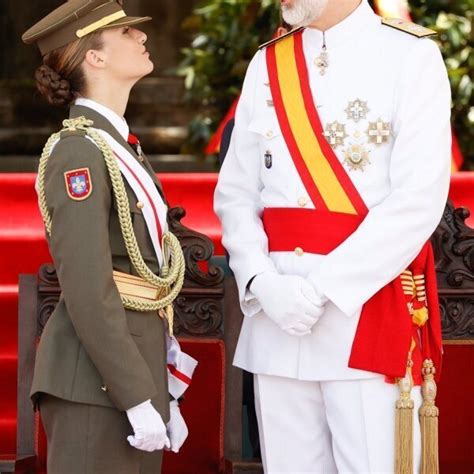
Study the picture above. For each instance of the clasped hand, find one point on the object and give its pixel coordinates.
(289, 300)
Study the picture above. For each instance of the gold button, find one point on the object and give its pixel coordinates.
(270, 134)
(302, 201)
(140, 205)
(299, 251)
(357, 134)
(104, 388)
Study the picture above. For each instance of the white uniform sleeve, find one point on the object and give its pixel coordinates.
(237, 198)
(395, 230)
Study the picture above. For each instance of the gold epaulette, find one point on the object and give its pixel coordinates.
(408, 27)
(279, 38)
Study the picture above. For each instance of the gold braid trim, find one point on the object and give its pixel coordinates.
(172, 272)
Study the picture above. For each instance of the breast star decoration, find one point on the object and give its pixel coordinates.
(357, 110)
(379, 132)
(335, 134)
(356, 157)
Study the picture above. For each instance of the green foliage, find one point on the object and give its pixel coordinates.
(226, 34)
(453, 22)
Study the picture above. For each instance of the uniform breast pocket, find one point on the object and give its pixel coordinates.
(271, 145)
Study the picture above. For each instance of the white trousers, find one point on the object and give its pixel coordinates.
(329, 427)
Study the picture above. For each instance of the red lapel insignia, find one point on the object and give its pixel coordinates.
(78, 184)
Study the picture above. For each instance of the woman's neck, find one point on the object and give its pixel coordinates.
(114, 98)
(335, 12)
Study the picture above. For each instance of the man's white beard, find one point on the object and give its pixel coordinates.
(303, 12)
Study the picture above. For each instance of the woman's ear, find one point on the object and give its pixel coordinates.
(95, 58)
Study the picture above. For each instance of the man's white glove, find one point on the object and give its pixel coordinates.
(289, 300)
(148, 427)
(177, 429)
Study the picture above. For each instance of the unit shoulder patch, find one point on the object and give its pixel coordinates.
(408, 27)
(279, 38)
(78, 184)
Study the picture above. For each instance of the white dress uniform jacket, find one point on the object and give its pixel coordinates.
(403, 81)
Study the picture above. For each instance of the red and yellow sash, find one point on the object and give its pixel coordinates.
(324, 177)
(339, 211)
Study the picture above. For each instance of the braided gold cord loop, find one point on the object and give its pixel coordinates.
(173, 268)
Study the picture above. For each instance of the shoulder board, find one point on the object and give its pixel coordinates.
(73, 133)
(279, 38)
(408, 27)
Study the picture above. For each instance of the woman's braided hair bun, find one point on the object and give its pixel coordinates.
(53, 86)
(60, 79)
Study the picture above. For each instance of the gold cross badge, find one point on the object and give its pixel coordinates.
(357, 110)
(335, 134)
(379, 132)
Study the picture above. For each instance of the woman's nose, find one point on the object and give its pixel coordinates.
(140, 36)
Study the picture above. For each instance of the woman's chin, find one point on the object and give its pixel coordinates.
(151, 67)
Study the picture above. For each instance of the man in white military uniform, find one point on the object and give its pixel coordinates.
(382, 95)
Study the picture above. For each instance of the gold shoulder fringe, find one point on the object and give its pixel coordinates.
(408, 27)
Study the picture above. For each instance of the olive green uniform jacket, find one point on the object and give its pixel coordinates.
(92, 349)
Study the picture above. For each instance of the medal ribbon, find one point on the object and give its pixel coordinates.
(324, 177)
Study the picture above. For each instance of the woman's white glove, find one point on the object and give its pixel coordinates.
(289, 300)
(177, 429)
(148, 427)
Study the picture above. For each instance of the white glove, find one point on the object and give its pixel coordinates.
(289, 300)
(148, 427)
(177, 429)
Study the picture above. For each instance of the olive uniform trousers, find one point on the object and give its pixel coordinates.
(97, 442)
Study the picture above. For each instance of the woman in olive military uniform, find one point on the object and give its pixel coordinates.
(100, 377)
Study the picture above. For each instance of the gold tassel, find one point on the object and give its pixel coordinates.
(170, 318)
(420, 316)
(429, 413)
(404, 424)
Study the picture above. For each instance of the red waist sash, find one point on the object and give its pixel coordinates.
(312, 230)
(385, 329)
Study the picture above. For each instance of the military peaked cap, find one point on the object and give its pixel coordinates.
(75, 19)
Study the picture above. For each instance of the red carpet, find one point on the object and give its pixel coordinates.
(23, 249)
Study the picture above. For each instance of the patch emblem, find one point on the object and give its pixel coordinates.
(78, 184)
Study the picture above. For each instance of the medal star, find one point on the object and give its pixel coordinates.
(356, 157)
(335, 134)
(357, 110)
(379, 132)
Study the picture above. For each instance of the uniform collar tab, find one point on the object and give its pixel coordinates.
(119, 123)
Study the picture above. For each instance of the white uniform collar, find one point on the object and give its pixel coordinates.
(118, 122)
(357, 21)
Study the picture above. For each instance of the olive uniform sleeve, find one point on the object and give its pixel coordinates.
(79, 244)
